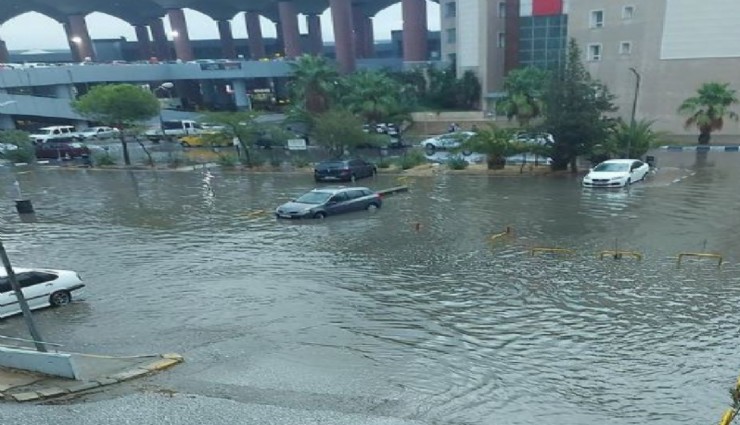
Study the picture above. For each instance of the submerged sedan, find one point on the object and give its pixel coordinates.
(320, 203)
(41, 288)
(616, 173)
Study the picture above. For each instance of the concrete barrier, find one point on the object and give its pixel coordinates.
(53, 364)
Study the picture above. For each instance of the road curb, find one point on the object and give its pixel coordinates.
(165, 361)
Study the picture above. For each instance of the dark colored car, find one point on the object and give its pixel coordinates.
(61, 150)
(320, 203)
(343, 170)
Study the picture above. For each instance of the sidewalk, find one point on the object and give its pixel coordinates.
(94, 372)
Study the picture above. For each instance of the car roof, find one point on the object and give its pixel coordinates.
(619, 161)
(338, 189)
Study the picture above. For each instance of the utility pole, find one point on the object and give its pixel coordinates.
(35, 335)
(634, 107)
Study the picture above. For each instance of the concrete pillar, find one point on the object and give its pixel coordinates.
(74, 51)
(4, 54)
(240, 95)
(341, 11)
(183, 48)
(161, 45)
(511, 42)
(369, 38)
(289, 26)
(414, 30)
(228, 48)
(254, 34)
(315, 39)
(7, 122)
(143, 41)
(80, 37)
(279, 38)
(358, 23)
(64, 91)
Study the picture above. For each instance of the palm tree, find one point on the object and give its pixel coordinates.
(496, 143)
(314, 80)
(708, 109)
(375, 97)
(631, 139)
(525, 88)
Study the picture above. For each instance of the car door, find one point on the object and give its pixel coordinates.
(635, 171)
(8, 302)
(339, 203)
(357, 200)
(35, 289)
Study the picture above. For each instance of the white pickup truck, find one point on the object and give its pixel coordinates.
(174, 130)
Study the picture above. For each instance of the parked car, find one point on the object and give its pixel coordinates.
(616, 173)
(343, 170)
(206, 140)
(56, 132)
(446, 141)
(174, 129)
(61, 150)
(41, 288)
(320, 203)
(542, 139)
(99, 133)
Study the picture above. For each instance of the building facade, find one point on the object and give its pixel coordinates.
(672, 46)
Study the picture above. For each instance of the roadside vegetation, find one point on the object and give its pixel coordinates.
(17, 146)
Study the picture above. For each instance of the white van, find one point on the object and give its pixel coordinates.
(46, 134)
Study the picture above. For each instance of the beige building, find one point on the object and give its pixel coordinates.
(673, 45)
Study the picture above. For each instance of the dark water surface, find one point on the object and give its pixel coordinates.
(452, 327)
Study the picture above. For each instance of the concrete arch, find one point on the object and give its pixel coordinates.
(15, 8)
(20, 23)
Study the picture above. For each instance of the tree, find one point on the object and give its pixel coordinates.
(631, 140)
(525, 88)
(16, 146)
(709, 108)
(124, 106)
(496, 143)
(313, 83)
(338, 130)
(468, 91)
(240, 125)
(374, 96)
(576, 108)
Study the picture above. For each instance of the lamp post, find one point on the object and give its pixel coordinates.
(166, 86)
(638, 79)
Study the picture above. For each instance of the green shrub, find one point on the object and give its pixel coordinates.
(276, 162)
(227, 160)
(383, 163)
(457, 164)
(411, 160)
(300, 162)
(256, 159)
(24, 152)
(103, 159)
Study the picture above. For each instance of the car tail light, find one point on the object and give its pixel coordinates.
(379, 195)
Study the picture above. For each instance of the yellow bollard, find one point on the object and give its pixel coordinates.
(717, 257)
(618, 255)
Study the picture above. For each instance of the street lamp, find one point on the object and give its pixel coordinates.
(166, 86)
(638, 79)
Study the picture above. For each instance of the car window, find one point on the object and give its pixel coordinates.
(354, 194)
(5, 285)
(340, 197)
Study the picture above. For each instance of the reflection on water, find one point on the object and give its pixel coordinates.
(469, 330)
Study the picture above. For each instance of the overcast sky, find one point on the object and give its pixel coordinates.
(35, 31)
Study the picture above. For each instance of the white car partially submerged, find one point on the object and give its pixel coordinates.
(99, 133)
(446, 141)
(616, 173)
(41, 288)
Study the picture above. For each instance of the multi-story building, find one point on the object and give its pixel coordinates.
(670, 46)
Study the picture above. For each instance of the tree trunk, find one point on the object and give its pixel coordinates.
(574, 165)
(704, 136)
(124, 146)
(496, 163)
(146, 151)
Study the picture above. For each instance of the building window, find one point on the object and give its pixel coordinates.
(501, 40)
(628, 12)
(625, 48)
(451, 36)
(450, 9)
(597, 19)
(594, 52)
(501, 9)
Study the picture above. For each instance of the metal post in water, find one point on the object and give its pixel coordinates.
(35, 335)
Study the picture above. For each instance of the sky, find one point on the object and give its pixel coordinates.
(35, 31)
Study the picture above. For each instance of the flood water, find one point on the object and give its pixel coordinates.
(450, 326)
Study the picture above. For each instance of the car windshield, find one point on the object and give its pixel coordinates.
(333, 164)
(612, 167)
(314, 198)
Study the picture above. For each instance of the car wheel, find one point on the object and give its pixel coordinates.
(60, 298)
(467, 152)
(430, 148)
(372, 206)
(320, 215)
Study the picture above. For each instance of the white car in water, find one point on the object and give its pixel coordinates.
(445, 141)
(616, 173)
(99, 133)
(41, 288)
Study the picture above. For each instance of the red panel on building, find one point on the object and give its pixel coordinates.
(547, 7)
